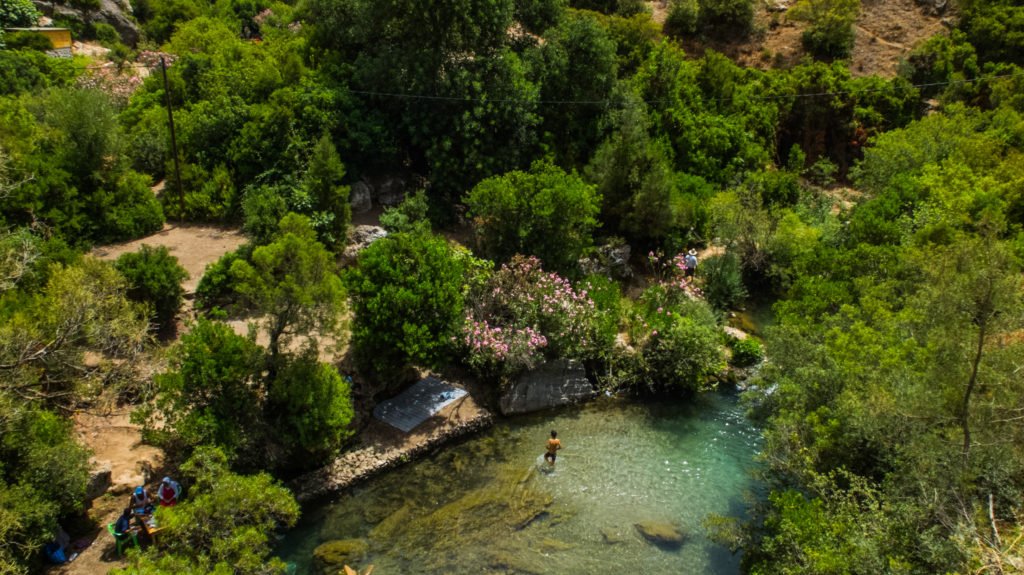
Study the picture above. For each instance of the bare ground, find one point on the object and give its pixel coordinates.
(886, 31)
(195, 246)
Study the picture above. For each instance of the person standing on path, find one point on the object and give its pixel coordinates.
(553, 446)
(691, 263)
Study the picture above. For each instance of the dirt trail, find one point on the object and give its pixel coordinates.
(195, 246)
(115, 443)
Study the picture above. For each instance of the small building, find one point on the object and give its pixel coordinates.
(60, 39)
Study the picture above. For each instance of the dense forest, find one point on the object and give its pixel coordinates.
(530, 139)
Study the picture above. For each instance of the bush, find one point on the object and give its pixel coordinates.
(313, 408)
(407, 299)
(217, 287)
(212, 395)
(831, 33)
(723, 280)
(726, 17)
(28, 41)
(106, 34)
(18, 13)
(747, 352)
(132, 210)
(683, 18)
(155, 278)
(263, 208)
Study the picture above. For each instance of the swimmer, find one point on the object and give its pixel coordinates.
(553, 446)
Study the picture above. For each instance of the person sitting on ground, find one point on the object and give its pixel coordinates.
(168, 492)
(141, 502)
(553, 446)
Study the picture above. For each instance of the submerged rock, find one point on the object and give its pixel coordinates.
(331, 557)
(661, 533)
(612, 536)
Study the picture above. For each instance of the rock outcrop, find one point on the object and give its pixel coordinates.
(552, 384)
(111, 12)
(332, 556)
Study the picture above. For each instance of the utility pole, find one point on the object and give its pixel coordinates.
(174, 141)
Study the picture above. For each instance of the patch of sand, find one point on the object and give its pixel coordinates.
(195, 246)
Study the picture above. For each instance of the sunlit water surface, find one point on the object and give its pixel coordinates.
(487, 505)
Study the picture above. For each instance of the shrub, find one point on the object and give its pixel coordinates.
(211, 396)
(522, 314)
(155, 278)
(132, 209)
(263, 207)
(726, 17)
(18, 13)
(683, 17)
(27, 41)
(106, 34)
(831, 33)
(723, 280)
(409, 216)
(747, 352)
(313, 408)
(217, 286)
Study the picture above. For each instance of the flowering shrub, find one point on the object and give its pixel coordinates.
(522, 314)
(119, 85)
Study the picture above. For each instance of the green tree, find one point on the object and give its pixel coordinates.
(211, 396)
(544, 212)
(154, 277)
(225, 524)
(726, 18)
(407, 297)
(312, 406)
(42, 480)
(293, 281)
(831, 33)
(332, 211)
(81, 308)
(18, 13)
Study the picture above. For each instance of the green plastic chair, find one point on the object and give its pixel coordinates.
(121, 539)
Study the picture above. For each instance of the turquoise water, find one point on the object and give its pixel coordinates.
(487, 505)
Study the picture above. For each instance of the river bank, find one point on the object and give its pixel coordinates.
(383, 447)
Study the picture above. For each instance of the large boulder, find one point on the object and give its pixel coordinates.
(360, 195)
(113, 12)
(331, 557)
(661, 533)
(391, 191)
(359, 238)
(554, 383)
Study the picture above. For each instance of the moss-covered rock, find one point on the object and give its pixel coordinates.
(661, 533)
(331, 557)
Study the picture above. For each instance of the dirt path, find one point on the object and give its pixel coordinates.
(195, 246)
(116, 443)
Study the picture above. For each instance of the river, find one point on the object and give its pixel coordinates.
(488, 504)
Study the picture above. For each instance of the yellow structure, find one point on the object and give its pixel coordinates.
(60, 39)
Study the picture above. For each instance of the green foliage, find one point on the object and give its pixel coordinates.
(216, 287)
(726, 18)
(331, 211)
(746, 352)
(154, 277)
(722, 280)
(291, 280)
(830, 34)
(263, 206)
(81, 308)
(678, 345)
(42, 479)
(27, 41)
(407, 301)
(18, 13)
(27, 71)
(225, 525)
(211, 395)
(544, 212)
(312, 405)
(996, 29)
(410, 216)
(683, 18)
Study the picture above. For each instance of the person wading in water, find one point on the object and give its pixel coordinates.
(553, 446)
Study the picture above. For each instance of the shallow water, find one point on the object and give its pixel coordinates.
(489, 505)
